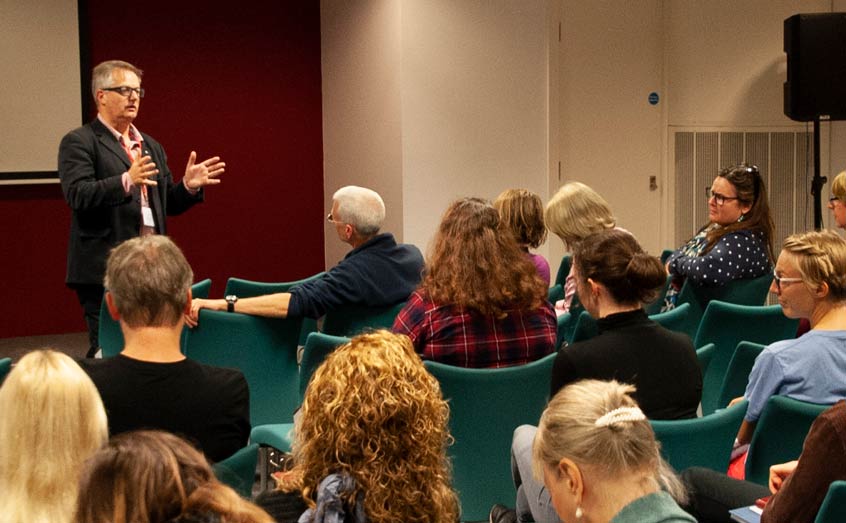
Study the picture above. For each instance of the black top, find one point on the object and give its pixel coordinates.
(633, 349)
(209, 406)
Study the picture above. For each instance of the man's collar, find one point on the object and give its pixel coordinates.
(134, 133)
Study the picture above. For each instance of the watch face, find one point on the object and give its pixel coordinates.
(231, 298)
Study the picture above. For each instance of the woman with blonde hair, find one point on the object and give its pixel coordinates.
(521, 212)
(371, 439)
(837, 203)
(481, 303)
(51, 420)
(152, 476)
(810, 282)
(737, 241)
(598, 457)
(575, 212)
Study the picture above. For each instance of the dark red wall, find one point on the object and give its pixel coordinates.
(238, 79)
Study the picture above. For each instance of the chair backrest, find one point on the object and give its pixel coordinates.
(353, 319)
(264, 349)
(779, 435)
(704, 355)
(110, 335)
(737, 375)
(833, 509)
(5, 367)
(700, 442)
(673, 319)
(666, 253)
(727, 324)
(563, 322)
(555, 293)
(249, 289)
(563, 270)
(486, 405)
(317, 347)
(239, 470)
(585, 328)
(743, 292)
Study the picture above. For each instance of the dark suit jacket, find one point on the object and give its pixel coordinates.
(91, 162)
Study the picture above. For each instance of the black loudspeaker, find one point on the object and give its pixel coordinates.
(816, 67)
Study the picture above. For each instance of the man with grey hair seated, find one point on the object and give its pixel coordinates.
(151, 384)
(377, 272)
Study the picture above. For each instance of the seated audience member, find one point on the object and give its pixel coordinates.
(481, 303)
(613, 278)
(156, 477)
(798, 487)
(51, 420)
(521, 212)
(810, 282)
(575, 212)
(151, 384)
(377, 272)
(599, 460)
(737, 241)
(837, 203)
(371, 440)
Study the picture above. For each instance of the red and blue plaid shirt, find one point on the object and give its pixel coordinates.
(451, 335)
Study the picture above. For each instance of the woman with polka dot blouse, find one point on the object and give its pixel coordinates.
(735, 244)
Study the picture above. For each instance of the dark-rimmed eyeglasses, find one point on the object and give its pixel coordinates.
(779, 280)
(720, 199)
(125, 90)
(833, 200)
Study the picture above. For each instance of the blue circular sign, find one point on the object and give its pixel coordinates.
(653, 98)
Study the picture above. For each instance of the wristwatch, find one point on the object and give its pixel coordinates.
(230, 302)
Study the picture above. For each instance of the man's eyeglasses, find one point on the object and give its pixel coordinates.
(779, 280)
(331, 219)
(720, 199)
(833, 200)
(124, 90)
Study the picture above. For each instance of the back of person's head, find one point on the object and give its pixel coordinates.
(360, 207)
(576, 211)
(372, 411)
(820, 258)
(751, 190)
(152, 476)
(615, 259)
(838, 187)
(598, 425)
(149, 279)
(474, 264)
(51, 420)
(101, 76)
(521, 211)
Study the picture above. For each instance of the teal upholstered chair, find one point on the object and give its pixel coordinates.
(674, 319)
(563, 322)
(5, 367)
(742, 292)
(486, 405)
(700, 442)
(779, 435)
(555, 293)
(704, 356)
(585, 327)
(737, 374)
(264, 349)
(833, 509)
(354, 319)
(563, 270)
(727, 324)
(249, 289)
(110, 335)
(280, 435)
(239, 470)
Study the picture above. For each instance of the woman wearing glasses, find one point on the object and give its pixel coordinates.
(837, 203)
(736, 243)
(810, 283)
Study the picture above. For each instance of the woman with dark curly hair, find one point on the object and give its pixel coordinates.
(481, 303)
(737, 241)
(371, 440)
(152, 476)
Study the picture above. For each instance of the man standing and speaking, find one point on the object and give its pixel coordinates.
(118, 185)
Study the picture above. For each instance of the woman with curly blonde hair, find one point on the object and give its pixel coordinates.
(371, 440)
(51, 420)
(481, 303)
(152, 476)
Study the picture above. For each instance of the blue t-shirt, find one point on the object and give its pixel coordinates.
(810, 368)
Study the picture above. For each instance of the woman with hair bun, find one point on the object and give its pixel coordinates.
(598, 458)
(614, 277)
